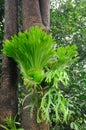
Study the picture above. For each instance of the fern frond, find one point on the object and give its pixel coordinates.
(66, 56)
(32, 50)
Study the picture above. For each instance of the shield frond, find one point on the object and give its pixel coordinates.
(32, 50)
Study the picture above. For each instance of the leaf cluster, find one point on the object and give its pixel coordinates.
(32, 50)
(11, 124)
(39, 61)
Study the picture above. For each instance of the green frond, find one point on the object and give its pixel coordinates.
(53, 101)
(66, 56)
(32, 50)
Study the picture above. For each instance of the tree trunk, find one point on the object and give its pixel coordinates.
(34, 12)
(8, 89)
(45, 12)
(31, 14)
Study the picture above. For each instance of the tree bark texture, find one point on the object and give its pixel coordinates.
(45, 12)
(8, 89)
(34, 12)
(31, 14)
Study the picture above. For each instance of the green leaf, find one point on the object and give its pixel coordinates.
(4, 127)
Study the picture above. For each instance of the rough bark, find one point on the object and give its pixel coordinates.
(8, 90)
(34, 12)
(31, 14)
(30, 123)
(45, 12)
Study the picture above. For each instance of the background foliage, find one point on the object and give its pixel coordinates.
(68, 25)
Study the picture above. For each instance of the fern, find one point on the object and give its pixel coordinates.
(11, 124)
(53, 101)
(66, 56)
(32, 51)
(39, 62)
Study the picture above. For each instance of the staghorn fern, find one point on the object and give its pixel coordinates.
(32, 51)
(38, 60)
(53, 100)
(66, 57)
